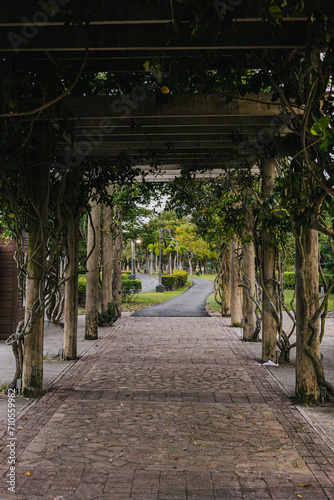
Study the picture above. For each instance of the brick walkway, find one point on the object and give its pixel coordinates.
(169, 408)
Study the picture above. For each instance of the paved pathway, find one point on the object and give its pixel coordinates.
(172, 409)
(191, 303)
(148, 282)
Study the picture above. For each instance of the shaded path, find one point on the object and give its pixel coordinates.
(191, 303)
(165, 409)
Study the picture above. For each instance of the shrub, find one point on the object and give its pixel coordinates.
(169, 281)
(109, 317)
(290, 280)
(182, 277)
(125, 276)
(82, 291)
(130, 289)
(126, 272)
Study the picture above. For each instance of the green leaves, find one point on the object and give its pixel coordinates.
(321, 129)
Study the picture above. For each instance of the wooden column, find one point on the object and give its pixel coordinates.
(117, 265)
(307, 303)
(236, 291)
(226, 282)
(269, 323)
(248, 279)
(92, 276)
(71, 286)
(32, 378)
(107, 255)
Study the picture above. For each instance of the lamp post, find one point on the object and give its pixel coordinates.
(133, 260)
(151, 261)
(160, 287)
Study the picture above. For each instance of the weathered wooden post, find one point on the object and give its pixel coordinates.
(107, 254)
(32, 377)
(269, 323)
(93, 274)
(226, 281)
(307, 303)
(117, 265)
(71, 285)
(236, 292)
(248, 279)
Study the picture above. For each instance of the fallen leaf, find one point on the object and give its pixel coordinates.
(195, 442)
(28, 473)
(324, 463)
(303, 485)
(279, 449)
(19, 427)
(87, 421)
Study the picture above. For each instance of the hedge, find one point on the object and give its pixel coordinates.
(169, 281)
(130, 288)
(290, 280)
(182, 277)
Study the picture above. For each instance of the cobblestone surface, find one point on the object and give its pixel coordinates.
(165, 409)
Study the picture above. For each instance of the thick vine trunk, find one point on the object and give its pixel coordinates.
(71, 286)
(248, 278)
(117, 264)
(32, 378)
(236, 291)
(92, 276)
(226, 282)
(307, 303)
(269, 323)
(107, 255)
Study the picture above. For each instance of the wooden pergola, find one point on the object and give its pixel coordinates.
(198, 131)
(181, 130)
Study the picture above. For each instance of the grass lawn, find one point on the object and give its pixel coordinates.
(212, 304)
(210, 277)
(152, 298)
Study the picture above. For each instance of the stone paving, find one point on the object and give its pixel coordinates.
(168, 409)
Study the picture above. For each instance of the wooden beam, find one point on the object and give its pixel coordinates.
(142, 104)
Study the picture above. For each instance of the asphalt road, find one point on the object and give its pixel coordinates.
(191, 303)
(148, 282)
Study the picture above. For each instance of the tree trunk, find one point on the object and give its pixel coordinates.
(269, 323)
(226, 282)
(307, 303)
(107, 255)
(32, 377)
(92, 276)
(236, 291)
(248, 279)
(71, 286)
(190, 267)
(117, 264)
